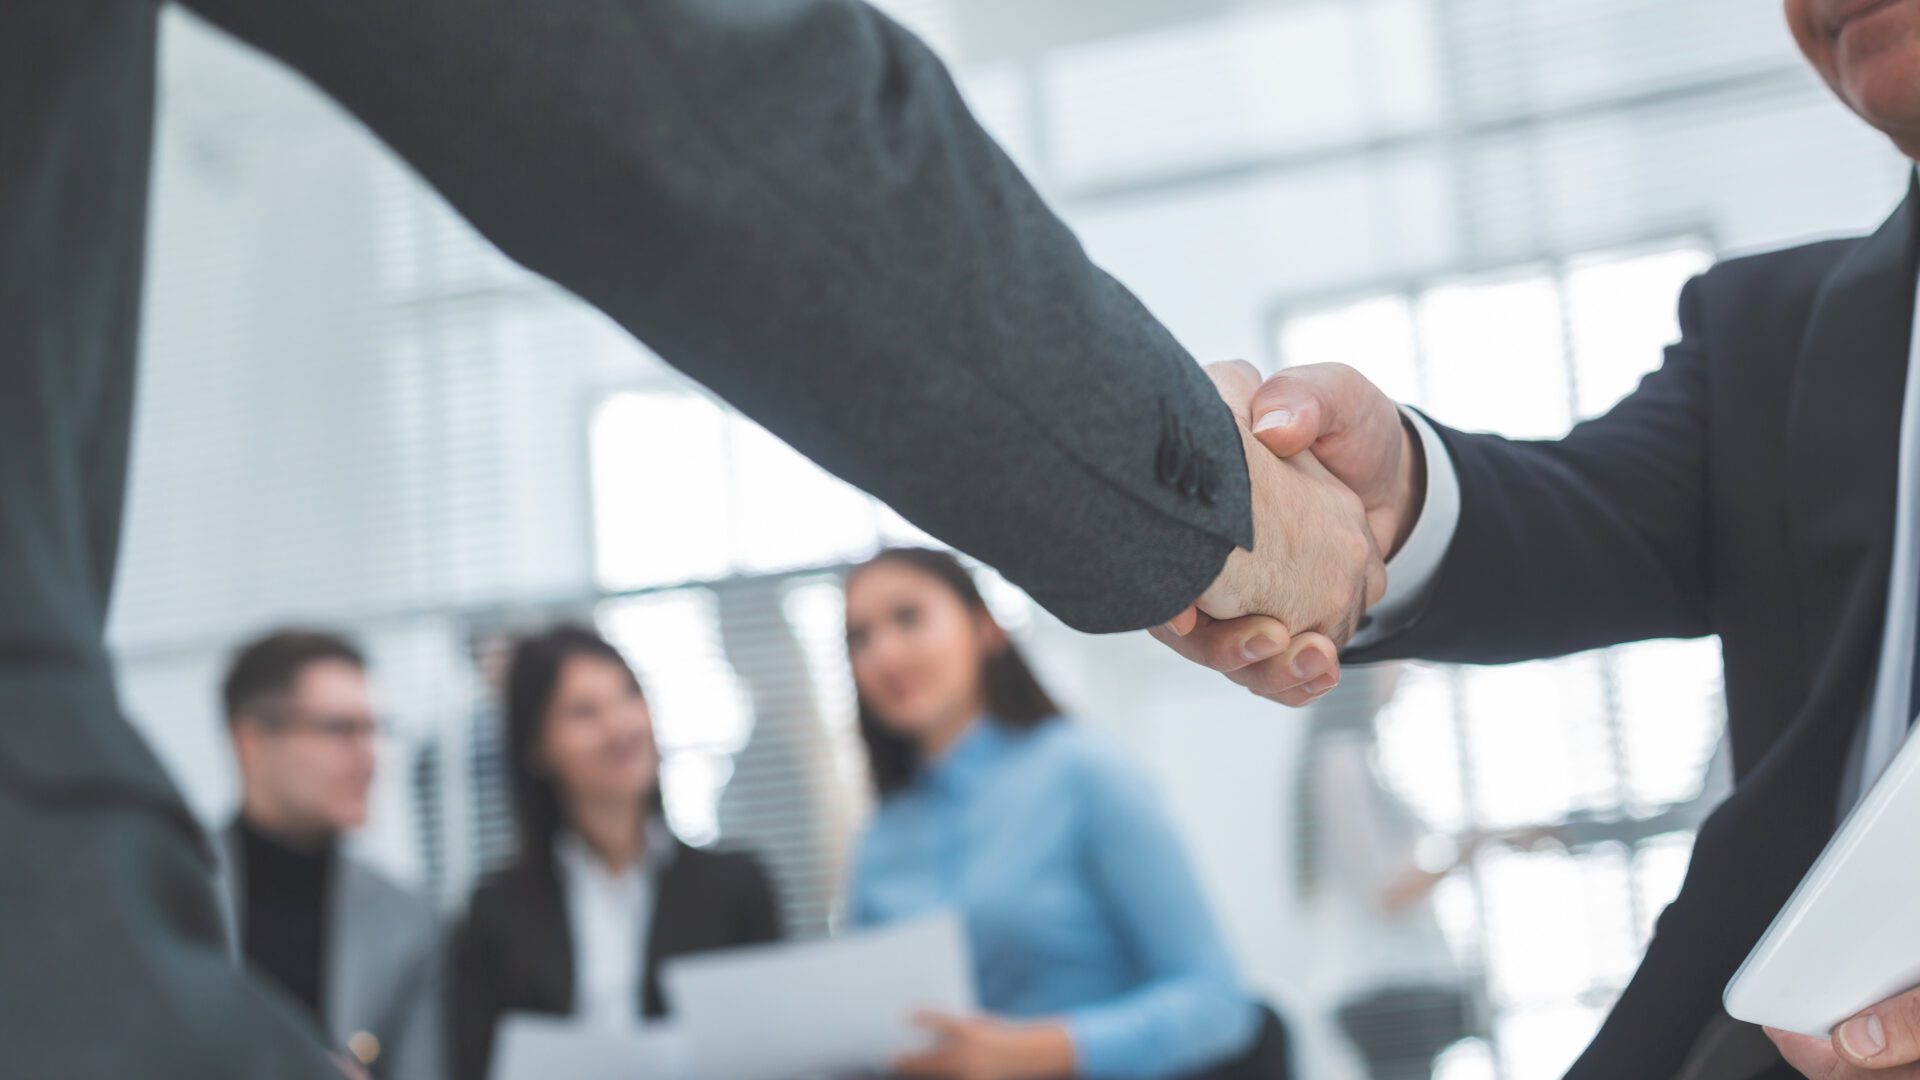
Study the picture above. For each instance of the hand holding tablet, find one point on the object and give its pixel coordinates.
(1835, 976)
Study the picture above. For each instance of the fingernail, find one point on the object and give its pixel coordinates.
(1309, 665)
(1323, 684)
(1258, 648)
(1863, 1036)
(1278, 418)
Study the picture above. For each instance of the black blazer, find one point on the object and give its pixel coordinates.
(515, 951)
(1746, 489)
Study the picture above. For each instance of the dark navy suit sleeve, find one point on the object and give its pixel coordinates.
(1594, 539)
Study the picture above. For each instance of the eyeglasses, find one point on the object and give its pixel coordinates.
(344, 729)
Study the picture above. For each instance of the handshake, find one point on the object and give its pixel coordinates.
(1337, 483)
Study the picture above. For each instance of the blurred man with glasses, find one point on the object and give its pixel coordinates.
(358, 952)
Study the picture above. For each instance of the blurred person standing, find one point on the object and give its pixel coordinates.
(1094, 952)
(602, 891)
(359, 953)
(1367, 870)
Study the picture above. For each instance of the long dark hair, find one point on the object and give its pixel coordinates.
(532, 676)
(1014, 697)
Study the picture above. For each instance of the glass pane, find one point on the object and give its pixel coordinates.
(1209, 92)
(659, 464)
(816, 609)
(1012, 608)
(1540, 1043)
(691, 782)
(701, 711)
(1623, 311)
(1558, 925)
(1420, 748)
(897, 531)
(1468, 1059)
(1660, 866)
(1539, 741)
(1594, 739)
(789, 511)
(1496, 357)
(1671, 717)
(1374, 336)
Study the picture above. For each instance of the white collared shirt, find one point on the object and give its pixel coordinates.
(1889, 712)
(1411, 571)
(609, 913)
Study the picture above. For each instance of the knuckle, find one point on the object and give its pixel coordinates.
(1292, 699)
(1355, 509)
(1223, 653)
(1269, 678)
(1359, 547)
(1903, 1028)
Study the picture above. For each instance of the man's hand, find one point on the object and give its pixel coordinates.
(1355, 431)
(1882, 1043)
(1274, 618)
(1333, 415)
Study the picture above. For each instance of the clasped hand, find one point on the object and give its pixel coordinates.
(1335, 481)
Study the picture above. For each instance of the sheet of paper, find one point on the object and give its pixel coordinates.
(839, 1006)
(528, 1046)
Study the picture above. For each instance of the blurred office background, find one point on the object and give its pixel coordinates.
(355, 413)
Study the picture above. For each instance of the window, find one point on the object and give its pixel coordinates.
(702, 714)
(730, 499)
(1607, 753)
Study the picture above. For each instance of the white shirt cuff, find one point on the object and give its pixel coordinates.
(1411, 571)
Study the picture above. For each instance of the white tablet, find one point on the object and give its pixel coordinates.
(1849, 937)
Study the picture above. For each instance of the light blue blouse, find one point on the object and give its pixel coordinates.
(1078, 900)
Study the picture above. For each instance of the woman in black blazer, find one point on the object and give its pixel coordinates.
(602, 893)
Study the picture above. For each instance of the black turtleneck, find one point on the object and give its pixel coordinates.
(283, 912)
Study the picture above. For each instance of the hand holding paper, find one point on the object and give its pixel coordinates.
(989, 1048)
(779, 1011)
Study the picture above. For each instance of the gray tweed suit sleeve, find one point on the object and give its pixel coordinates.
(788, 200)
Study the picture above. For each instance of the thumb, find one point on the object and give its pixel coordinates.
(1289, 412)
(1236, 381)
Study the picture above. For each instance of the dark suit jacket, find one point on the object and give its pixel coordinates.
(787, 199)
(382, 968)
(1746, 489)
(515, 952)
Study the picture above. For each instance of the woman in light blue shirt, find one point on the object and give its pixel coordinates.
(1094, 952)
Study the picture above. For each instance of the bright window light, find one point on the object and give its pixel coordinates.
(1539, 741)
(789, 512)
(1374, 336)
(702, 714)
(1623, 311)
(1496, 355)
(1598, 740)
(1671, 718)
(659, 475)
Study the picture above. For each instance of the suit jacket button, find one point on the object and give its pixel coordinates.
(1209, 480)
(1172, 464)
(364, 1046)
